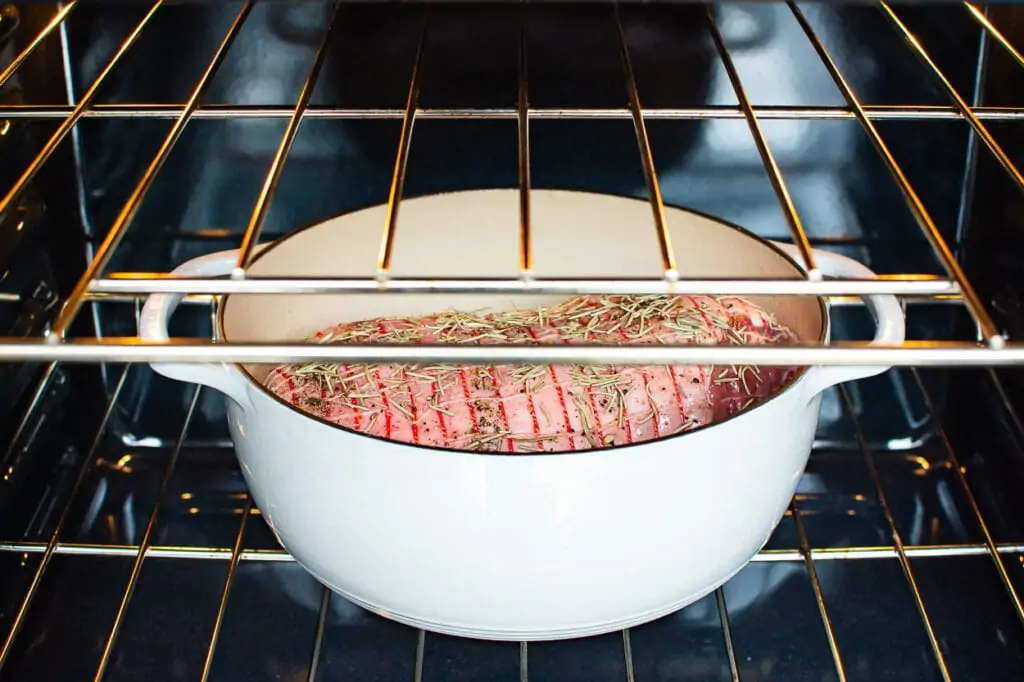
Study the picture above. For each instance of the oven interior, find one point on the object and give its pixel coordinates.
(124, 549)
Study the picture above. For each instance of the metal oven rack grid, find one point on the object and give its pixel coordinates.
(993, 348)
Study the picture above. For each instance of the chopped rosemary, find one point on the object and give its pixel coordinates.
(602, 395)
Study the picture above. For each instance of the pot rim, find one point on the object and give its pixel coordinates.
(799, 377)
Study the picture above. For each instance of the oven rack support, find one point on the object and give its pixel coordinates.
(764, 112)
(810, 556)
(992, 347)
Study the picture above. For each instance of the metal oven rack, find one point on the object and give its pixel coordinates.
(886, 554)
(994, 349)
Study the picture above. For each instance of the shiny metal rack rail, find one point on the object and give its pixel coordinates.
(875, 112)
(993, 347)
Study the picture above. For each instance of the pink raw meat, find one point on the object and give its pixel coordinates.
(542, 408)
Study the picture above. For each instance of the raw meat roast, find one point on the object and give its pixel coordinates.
(542, 408)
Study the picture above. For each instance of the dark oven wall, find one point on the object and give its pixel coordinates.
(202, 201)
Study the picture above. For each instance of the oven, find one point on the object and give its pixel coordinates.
(139, 135)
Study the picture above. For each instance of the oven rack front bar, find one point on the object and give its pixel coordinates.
(909, 300)
(160, 283)
(765, 112)
(995, 349)
(809, 555)
(132, 350)
(279, 556)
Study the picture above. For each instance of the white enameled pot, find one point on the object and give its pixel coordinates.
(518, 547)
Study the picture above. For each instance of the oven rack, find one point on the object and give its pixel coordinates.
(808, 552)
(95, 285)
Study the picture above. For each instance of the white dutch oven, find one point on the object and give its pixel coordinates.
(518, 547)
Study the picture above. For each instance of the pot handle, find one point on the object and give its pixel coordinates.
(889, 319)
(157, 312)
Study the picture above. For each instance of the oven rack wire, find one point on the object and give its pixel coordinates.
(95, 285)
(811, 557)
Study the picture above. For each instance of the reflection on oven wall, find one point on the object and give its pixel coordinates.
(269, 66)
(770, 51)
